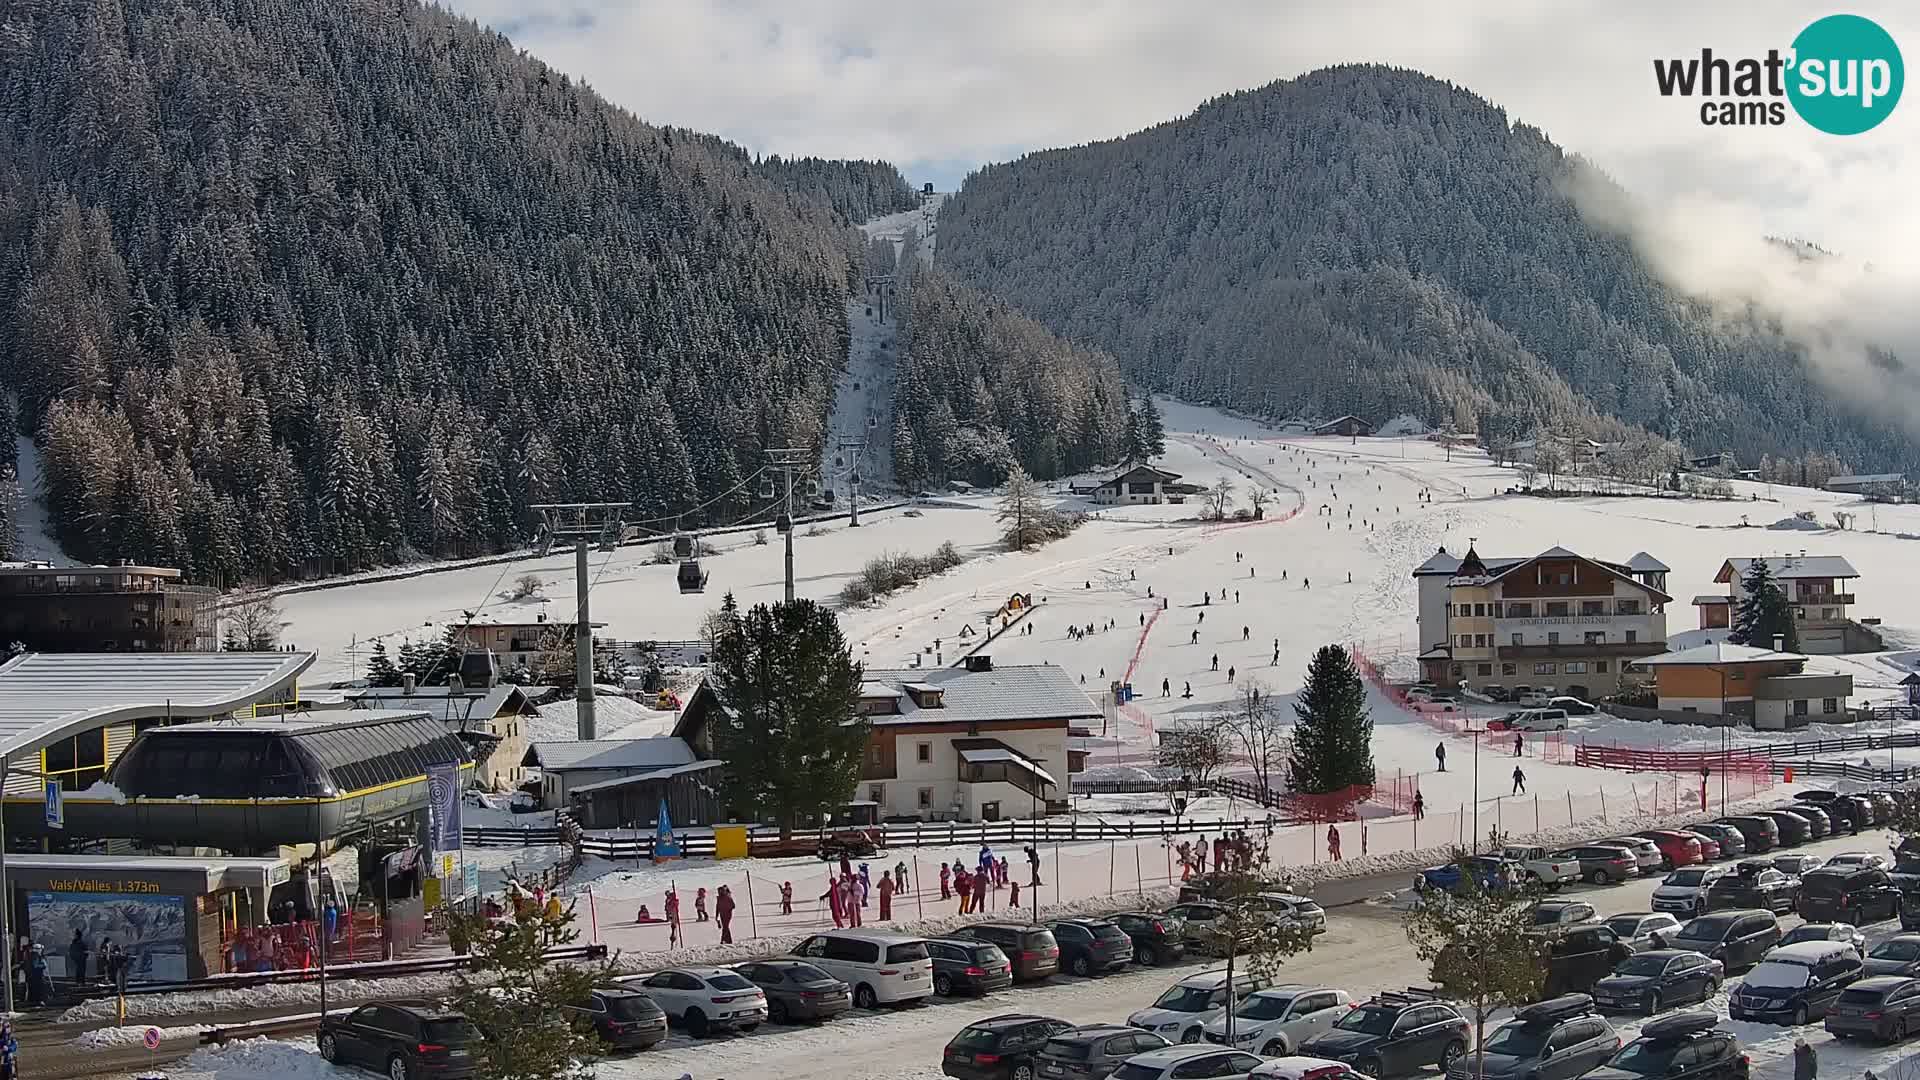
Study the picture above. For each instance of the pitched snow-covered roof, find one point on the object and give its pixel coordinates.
(662, 752)
(1719, 652)
(871, 689)
(1006, 692)
(1711, 599)
(1868, 478)
(1643, 563)
(442, 703)
(49, 696)
(652, 774)
(1141, 470)
(1790, 567)
(1558, 552)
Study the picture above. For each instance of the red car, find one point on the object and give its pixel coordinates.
(1709, 847)
(1676, 848)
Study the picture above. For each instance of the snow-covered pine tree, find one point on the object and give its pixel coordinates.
(1153, 432)
(380, 669)
(1766, 613)
(1333, 736)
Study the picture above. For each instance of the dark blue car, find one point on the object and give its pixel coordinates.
(1493, 874)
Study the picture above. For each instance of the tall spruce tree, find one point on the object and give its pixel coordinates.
(1766, 613)
(1333, 737)
(380, 669)
(787, 729)
(1152, 431)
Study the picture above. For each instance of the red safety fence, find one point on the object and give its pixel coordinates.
(1635, 759)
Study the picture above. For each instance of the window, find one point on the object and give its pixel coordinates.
(1595, 637)
(1599, 667)
(1592, 607)
(1487, 670)
(1556, 608)
(1456, 671)
(926, 798)
(1516, 639)
(1466, 641)
(1826, 613)
(1800, 707)
(1575, 667)
(1481, 641)
(1546, 668)
(1509, 669)
(1626, 607)
(878, 793)
(1800, 613)
(1737, 675)
(1519, 611)
(1829, 706)
(923, 752)
(873, 754)
(1633, 636)
(1553, 637)
(1479, 611)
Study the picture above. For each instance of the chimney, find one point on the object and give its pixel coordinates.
(542, 617)
(1779, 643)
(407, 683)
(980, 662)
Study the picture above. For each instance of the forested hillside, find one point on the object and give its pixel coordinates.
(979, 386)
(296, 285)
(1374, 241)
(857, 189)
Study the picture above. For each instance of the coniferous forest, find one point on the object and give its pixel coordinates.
(1371, 240)
(857, 190)
(292, 286)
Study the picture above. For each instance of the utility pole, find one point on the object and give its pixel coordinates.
(605, 523)
(793, 462)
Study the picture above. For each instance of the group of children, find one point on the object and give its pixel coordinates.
(1230, 853)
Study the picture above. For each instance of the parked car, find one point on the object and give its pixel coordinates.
(1533, 697)
(1794, 829)
(1648, 982)
(1579, 956)
(1033, 949)
(999, 1047)
(797, 992)
(1496, 692)
(1762, 834)
(1858, 808)
(1275, 1021)
(1883, 804)
(1864, 895)
(1091, 946)
(1493, 873)
(1910, 907)
(1676, 848)
(1602, 865)
(1157, 938)
(1289, 909)
(1826, 931)
(1687, 1046)
(1093, 1051)
(1639, 930)
(1709, 846)
(1684, 891)
(1395, 1033)
(1573, 706)
(1819, 821)
(1884, 1007)
(1863, 859)
(1181, 1012)
(1898, 955)
(1531, 720)
(1539, 866)
(1793, 864)
(401, 1040)
(1754, 883)
(1733, 843)
(625, 1019)
(1561, 1037)
(966, 966)
(1646, 855)
(1200, 926)
(1298, 1067)
(1795, 983)
(1737, 938)
(1562, 912)
(704, 1000)
(1176, 1062)
(883, 968)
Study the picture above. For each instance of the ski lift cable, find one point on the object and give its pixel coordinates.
(751, 477)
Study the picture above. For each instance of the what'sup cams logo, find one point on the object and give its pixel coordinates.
(1843, 76)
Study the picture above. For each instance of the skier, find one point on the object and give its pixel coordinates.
(1216, 662)
(1195, 639)
(1186, 860)
(1203, 616)
(963, 885)
(673, 918)
(886, 898)
(1349, 573)
(1229, 672)
(1143, 618)
(1419, 806)
(1246, 633)
(1276, 657)
(786, 898)
(1518, 741)
(1206, 598)
(980, 893)
(1440, 755)
(1519, 780)
(723, 908)
(1306, 583)
(900, 877)
(946, 876)
(1186, 689)
(1166, 688)
(1333, 842)
(1236, 596)
(1033, 864)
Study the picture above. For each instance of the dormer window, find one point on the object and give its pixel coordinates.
(924, 695)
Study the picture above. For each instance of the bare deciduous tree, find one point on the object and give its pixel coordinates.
(253, 623)
(1257, 726)
(1199, 751)
(1219, 498)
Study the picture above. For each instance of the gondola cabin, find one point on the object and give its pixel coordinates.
(692, 578)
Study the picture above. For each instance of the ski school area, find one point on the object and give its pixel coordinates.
(1188, 614)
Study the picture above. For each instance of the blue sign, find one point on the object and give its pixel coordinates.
(443, 807)
(56, 811)
(664, 844)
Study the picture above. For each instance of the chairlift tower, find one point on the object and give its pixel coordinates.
(853, 448)
(604, 524)
(793, 463)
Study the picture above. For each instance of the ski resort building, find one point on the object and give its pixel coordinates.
(1870, 485)
(1142, 484)
(1818, 586)
(517, 643)
(121, 608)
(490, 720)
(1764, 687)
(1555, 619)
(1349, 425)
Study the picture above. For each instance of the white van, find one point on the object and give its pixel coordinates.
(882, 968)
(1537, 720)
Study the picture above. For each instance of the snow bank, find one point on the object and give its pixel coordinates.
(121, 1038)
(193, 1002)
(1794, 523)
(255, 1059)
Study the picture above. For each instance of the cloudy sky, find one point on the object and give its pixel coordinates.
(939, 88)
